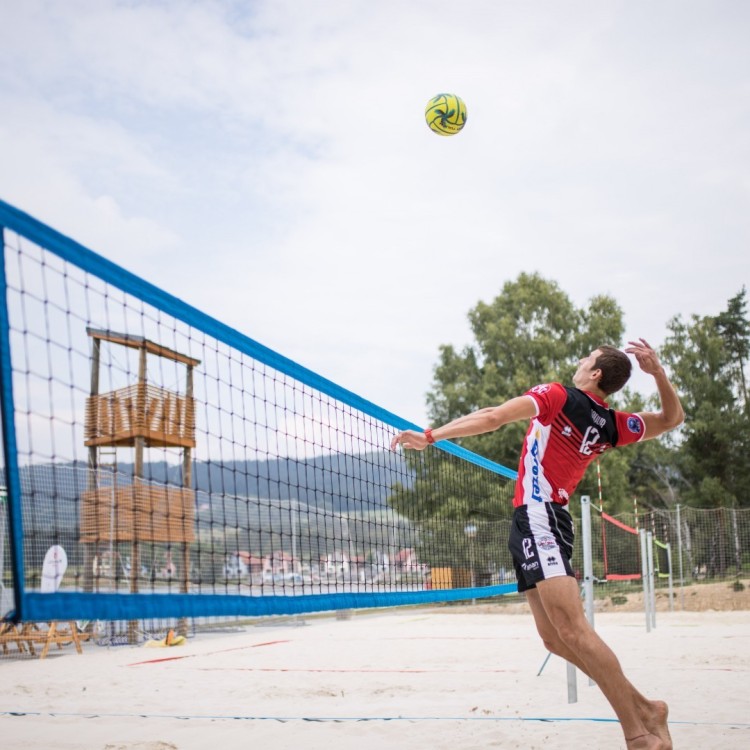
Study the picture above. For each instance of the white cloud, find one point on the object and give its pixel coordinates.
(51, 175)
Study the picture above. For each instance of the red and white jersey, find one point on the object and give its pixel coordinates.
(571, 428)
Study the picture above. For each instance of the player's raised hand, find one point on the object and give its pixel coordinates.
(647, 358)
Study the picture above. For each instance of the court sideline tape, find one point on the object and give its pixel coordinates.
(341, 719)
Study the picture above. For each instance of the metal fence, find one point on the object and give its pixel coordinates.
(706, 543)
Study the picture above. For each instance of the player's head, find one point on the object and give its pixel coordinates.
(606, 368)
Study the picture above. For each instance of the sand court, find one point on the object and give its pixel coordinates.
(412, 678)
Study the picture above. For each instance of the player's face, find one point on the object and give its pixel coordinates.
(586, 366)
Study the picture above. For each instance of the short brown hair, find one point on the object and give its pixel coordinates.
(615, 366)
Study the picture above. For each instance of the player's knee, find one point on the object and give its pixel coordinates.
(550, 639)
(569, 634)
(553, 645)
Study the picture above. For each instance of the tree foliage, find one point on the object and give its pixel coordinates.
(707, 356)
(734, 328)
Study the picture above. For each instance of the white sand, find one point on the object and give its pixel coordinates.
(438, 678)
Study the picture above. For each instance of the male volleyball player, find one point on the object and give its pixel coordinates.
(568, 428)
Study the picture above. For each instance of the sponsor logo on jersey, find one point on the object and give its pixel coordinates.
(536, 490)
(540, 389)
(546, 542)
(567, 431)
(598, 419)
(634, 424)
(563, 494)
(552, 561)
(530, 566)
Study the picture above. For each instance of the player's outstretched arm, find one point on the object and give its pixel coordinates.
(672, 414)
(476, 423)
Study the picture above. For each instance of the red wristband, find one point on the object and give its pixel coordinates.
(428, 435)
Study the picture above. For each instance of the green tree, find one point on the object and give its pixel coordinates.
(707, 356)
(654, 477)
(734, 328)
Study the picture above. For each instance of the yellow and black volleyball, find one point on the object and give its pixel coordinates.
(445, 114)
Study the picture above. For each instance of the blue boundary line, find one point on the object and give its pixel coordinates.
(94, 606)
(10, 448)
(344, 719)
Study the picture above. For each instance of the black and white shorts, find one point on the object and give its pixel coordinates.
(541, 543)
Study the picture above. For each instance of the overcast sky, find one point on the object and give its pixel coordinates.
(268, 162)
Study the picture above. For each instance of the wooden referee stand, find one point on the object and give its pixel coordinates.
(139, 416)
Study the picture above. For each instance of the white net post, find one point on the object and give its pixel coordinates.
(679, 558)
(572, 683)
(644, 578)
(588, 562)
(651, 577)
(671, 588)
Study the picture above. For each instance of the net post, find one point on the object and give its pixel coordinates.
(10, 448)
(572, 683)
(588, 562)
(669, 563)
(679, 558)
(6, 604)
(651, 577)
(644, 579)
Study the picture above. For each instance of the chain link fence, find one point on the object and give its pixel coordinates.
(706, 543)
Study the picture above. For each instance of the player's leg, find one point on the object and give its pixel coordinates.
(541, 543)
(654, 714)
(560, 600)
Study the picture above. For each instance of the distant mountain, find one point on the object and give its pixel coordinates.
(336, 483)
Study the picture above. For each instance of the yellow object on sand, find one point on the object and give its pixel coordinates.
(170, 640)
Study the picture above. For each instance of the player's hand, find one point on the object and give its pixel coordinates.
(410, 439)
(647, 358)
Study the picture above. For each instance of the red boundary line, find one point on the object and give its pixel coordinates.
(207, 653)
(353, 670)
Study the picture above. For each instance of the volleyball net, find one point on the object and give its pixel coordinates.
(159, 463)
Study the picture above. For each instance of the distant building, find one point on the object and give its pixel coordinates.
(406, 561)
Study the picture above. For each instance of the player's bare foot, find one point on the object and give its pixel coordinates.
(644, 742)
(661, 730)
(655, 720)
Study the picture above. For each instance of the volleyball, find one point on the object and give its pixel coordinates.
(445, 114)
